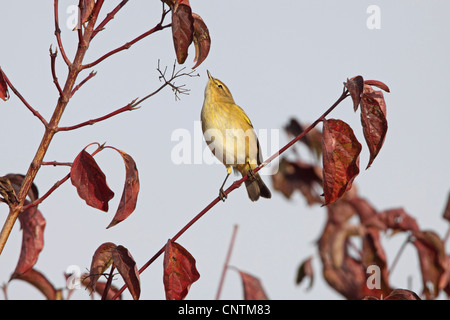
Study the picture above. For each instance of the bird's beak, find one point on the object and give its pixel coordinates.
(209, 74)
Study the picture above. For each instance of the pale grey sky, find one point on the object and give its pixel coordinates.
(280, 61)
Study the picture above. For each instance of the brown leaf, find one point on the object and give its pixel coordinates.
(88, 6)
(7, 191)
(304, 177)
(374, 123)
(446, 214)
(355, 86)
(179, 271)
(182, 29)
(127, 268)
(305, 271)
(202, 40)
(398, 219)
(16, 181)
(39, 281)
(313, 139)
(433, 262)
(90, 181)
(130, 191)
(341, 152)
(101, 260)
(4, 95)
(253, 289)
(349, 279)
(32, 224)
(378, 84)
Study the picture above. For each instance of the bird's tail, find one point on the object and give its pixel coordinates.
(256, 188)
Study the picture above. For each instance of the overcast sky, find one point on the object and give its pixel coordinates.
(280, 60)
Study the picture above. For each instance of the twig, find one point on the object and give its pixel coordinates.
(133, 105)
(127, 45)
(52, 63)
(108, 283)
(399, 253)
(90, 75)
(24, 101)
(49, 192)
(58, 35)
(56, 163)
(237, 184)
(128, 107)
(108, 18)
(227, 262)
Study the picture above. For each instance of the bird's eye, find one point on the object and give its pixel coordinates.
(220, 86)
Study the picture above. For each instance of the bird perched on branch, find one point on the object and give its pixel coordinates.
(231, 137)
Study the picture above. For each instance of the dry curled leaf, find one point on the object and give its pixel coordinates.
(253, 289)
(355, 87)
(4, 95)
(40, 282)
(130, 190)
(374, 122)
(305, 271)
(202, 40)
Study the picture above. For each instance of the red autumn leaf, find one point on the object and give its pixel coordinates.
(373, 120)
(341, 152)
(355, 86)
(130, 191)
(39, 281)
(433, 262)
(3, 87)
(90, 181)
(182, 29)
(33, 224)
(101, 260)
(305, 271)
(202, 40)
(127, 268)
(253, 289)
(378, 84)
(179, 271)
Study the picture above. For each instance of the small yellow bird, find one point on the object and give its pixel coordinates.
(231, 137)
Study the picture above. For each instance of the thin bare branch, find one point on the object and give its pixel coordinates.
(56, 163)
(127, 45)
(128, 107)
(108, 18)
(52, 63)
(90, 75)
(49, 192)
(58, 35)
(24, 101)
